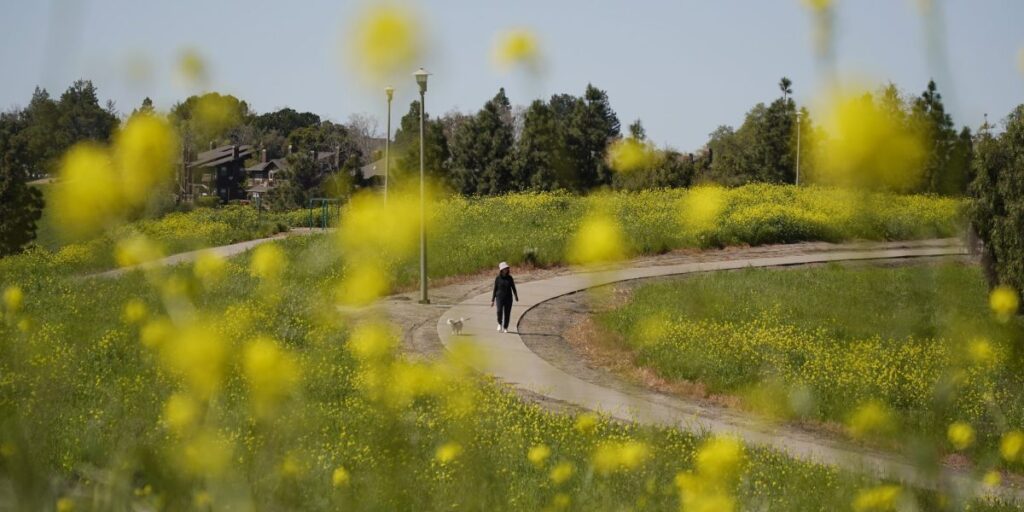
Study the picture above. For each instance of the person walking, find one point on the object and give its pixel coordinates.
(504, 291)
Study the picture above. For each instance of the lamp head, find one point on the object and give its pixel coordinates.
(390, 92)
(421, 79)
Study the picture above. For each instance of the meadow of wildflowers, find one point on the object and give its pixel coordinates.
(908, 356)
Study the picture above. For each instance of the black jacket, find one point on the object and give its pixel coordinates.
(504, 288)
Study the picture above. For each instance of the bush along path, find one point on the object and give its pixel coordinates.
(506, 357)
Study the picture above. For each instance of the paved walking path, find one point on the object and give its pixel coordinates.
(508, 358)
(223, 250)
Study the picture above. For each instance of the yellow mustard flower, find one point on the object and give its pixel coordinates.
(629, 154)
(385, 41)
(992, 479)
(268, 262)
(1011, 446)
(961, 435)
(870, 419)
(538, 455)
(133, 312)
(877, 499)
(209, 267)
(13, 298)
(191, 67)
(198, 355)
(448, 452)
(65, 505)
(611, 457)
(340, 477)
(516, 47)
(88, 196)
(181, 412)
(561, 473)
(136, 250)
(702, 208)
(598, 240)
(1004, 302)
(586, 423)
(272, 373)
(868, 148)
(205, 454)
(145, 151)
(720, 458)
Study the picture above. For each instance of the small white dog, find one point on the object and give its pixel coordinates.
(456, 325)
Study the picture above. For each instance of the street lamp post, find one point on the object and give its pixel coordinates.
(798, 114)
(390, 92)
(421, 80)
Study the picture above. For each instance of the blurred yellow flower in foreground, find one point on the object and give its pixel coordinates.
(88, 197)
(877, 499)
(870, 419)
(371, 342)
(209, 267)
(136, 250)
(980, 351)
(65, 505)
(867, 147)
(272, 373)
(1011, 447)
(817, 5)
(720, 458)
(191, 67)
(181, 412)
(961, 435)
(384, 41)
(145, 151)
(268, 262)
(719, 463)
(363, 284)
(206, 454)
(629, 154)
(516, 47)
(448, 452)
(610, 457)
(702, 207)
(992, 479)
(586, 423)
(598, 240)
(134, 311)
(340, 477)
(538, 455)
(13, 298)
(198, 355)
(156, 332)
(373, 229)
(99, 187)
(1004, 302)
(561, 473)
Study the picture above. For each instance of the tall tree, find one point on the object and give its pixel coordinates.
(285, 120)
(407, 145)
(785, 85)
(997, 205)
(481, 150)
(946, 171)
(20, 205)
(82, 117)
(541, 159)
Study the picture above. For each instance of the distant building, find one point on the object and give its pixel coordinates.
(222, 171)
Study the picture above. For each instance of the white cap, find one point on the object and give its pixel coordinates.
(502, 266)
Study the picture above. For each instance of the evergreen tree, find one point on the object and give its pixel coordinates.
(946, 171)
(82, 117)
(146, 108)
(407, 145)
(20, 204)
(481, 150)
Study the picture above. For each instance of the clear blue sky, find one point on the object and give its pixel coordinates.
(684, 67)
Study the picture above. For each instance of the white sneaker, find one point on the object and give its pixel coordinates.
(499, 328)
(504, 330)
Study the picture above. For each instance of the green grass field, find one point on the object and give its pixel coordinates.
(232, 384)
(919, 340)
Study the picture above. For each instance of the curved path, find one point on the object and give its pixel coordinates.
(506, 357)
(224, 251)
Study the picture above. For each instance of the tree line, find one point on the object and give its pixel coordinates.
(559, 143)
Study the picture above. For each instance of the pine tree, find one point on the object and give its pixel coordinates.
(481, 150)
(407, 145)
(20, 205)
